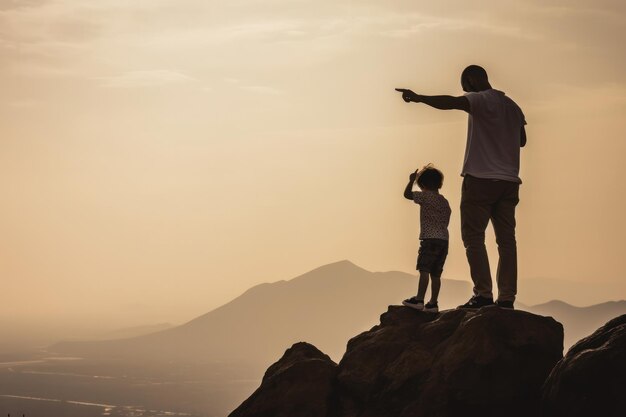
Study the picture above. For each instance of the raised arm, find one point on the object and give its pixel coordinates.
(408, 190)
(438, 102)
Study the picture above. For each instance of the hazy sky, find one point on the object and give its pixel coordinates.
(159, 157)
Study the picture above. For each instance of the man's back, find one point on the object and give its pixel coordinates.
(493, 136)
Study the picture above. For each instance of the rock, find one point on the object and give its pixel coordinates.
(489, 362)
(591, 379)
(419, 364)
(298, 385)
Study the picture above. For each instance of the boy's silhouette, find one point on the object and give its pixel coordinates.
(434, 220)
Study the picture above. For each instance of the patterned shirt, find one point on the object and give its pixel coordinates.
(434, 214)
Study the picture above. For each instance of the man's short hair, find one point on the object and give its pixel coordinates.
(475, 71)
(430, 179)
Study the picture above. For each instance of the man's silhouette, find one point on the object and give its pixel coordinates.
(491, 180)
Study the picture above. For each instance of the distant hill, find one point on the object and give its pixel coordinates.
(534, 291)
(579, 322)
(134, 331)
(324, 307)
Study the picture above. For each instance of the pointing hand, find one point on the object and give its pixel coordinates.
(407, 95)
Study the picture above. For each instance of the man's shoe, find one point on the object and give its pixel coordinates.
(413, 302)
(477, 302)
(505, 304)
(431, 308)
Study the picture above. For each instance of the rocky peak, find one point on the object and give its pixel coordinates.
(418, 364)
(298, 385)
(591, 379)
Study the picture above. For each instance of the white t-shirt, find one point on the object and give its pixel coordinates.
(493, 136)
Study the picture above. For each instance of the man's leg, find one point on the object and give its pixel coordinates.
(503, 219)
(475, 215)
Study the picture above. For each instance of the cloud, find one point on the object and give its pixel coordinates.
(54, 38)
(20, 4)
(418, 24)
(254, 88)
(147, 78)
(566, 99)
(43, 70)
(265, 28)
(23, 103)
(261, 89)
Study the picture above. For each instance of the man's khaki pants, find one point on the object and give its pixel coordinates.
(483, 200)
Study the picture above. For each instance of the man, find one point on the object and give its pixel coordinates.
(491, 180)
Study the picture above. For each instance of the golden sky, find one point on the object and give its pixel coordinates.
(159, 157)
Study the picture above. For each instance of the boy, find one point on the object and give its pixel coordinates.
(434, 219)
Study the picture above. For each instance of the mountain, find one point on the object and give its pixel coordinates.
(579, 322)
(134, 331)
(534, 291)
(324, 306)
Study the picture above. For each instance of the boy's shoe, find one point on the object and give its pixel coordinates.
(431, 308)
(477, 302)
(505, 304)
(413, 302)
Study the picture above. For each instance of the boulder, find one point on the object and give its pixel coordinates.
(298, 385)
(418, 364)
(489, 362)
(591, 379)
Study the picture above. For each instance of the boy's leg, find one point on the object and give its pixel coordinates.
(475, 214)
(423, 285)
(504, 228)
(434, 296)
(437, 269)
(424, 264)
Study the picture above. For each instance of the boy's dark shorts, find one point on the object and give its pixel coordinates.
(432, 255)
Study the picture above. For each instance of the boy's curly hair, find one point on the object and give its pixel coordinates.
(430, 178)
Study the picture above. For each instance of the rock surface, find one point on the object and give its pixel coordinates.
(298, 385)
(491, 361)
(591, 379)
(417, 364)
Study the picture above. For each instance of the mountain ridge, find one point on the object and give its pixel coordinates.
(324, 305)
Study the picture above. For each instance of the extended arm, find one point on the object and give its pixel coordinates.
(523, 137)
(408, 190)
(438, 102)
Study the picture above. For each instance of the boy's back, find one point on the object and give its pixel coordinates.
(434, 214)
